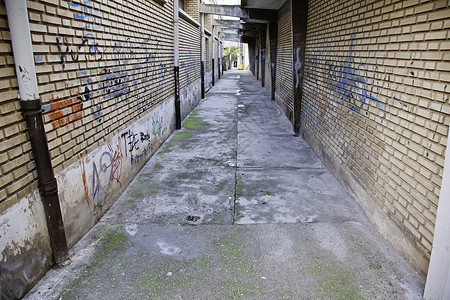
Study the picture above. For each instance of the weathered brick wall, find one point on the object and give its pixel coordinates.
(192, 8)
(284, 78)
(208, 22)
(208, 51)
(100, 67)
(376, 106)
(189, 65)
(25, 252)
(105, 76)
(17, 170)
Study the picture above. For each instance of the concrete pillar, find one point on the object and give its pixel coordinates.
(257, 50)
(241, 54)
(251, 56)
(273, 35)
(262, 55)
(299, 10)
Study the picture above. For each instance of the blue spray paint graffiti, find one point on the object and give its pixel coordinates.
(89, 16)
(350, 87)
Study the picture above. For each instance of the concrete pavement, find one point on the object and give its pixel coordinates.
(233, 206)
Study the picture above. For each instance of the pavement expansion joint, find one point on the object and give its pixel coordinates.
(279, 168)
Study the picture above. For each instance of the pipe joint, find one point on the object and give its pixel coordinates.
(49, 187)
(31, 108)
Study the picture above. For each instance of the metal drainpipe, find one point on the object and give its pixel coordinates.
(202, 63)
(221, 53)
(213, 50)
(176, 63)
(218, 54)
(30, 103)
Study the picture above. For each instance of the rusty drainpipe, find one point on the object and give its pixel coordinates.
(30, 103)
(176, 62)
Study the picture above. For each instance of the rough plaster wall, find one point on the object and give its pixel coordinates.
(25, 253)
(284, 91)
(376, 104)
(90, 186)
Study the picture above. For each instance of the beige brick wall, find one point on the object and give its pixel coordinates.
(189, 53)
(100, 66)
(284, 77)
(105, 76)
(17, 170)
(376, 101)
(192, 8)
(189, 65)
(207, 53)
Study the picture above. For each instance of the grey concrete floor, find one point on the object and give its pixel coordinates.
(233, 206)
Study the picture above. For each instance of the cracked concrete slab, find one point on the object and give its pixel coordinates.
(292, 196)
(271, 261)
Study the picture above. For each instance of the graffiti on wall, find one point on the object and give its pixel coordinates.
(106, 169)
(87, 14)
(135, 62)
(190, 93)
(86, 49)
(343, 80)
(350, 88)
(297, 67)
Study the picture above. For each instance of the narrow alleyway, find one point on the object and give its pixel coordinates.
(233, 206)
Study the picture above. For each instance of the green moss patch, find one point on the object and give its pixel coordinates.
(191, 123)
(335, 281)
(182, 136)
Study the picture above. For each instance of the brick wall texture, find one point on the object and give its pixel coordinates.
(208, 53)
(189, 53)
(376, 100)
(100, 66)
(284, 94)
(192, 8)
(17, 169)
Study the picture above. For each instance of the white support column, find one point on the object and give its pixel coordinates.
(19, 28)
(219, 34)
(213, 51)
(438, 279)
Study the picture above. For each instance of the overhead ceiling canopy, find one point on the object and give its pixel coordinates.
(250, 12)
(263, 4)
